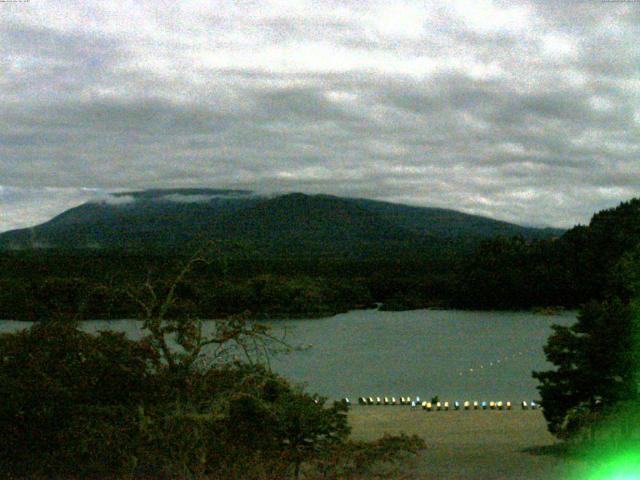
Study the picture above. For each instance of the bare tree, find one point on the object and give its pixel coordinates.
(178, 336)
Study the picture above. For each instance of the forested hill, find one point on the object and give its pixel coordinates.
(583, 264)
(329, 255)
(168, 218)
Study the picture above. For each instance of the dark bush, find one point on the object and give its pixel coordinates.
(51, 376)
(80, 405)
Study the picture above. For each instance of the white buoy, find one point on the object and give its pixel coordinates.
(466, 404)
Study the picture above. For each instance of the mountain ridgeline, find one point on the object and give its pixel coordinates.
(287, 223)
(296, 255)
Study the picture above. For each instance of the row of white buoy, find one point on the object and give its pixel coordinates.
(438, 406)
(495, 363)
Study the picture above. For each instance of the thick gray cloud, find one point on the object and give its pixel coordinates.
(523, 111)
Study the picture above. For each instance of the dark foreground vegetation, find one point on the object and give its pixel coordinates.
(500, 273)
(591, 398)
(76, 405)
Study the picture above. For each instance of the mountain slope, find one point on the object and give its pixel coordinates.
(168, 218)
(446, 223)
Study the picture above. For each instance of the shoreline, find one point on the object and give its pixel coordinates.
(542, 312)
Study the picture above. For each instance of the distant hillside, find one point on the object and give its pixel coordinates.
(446, 223)
(309, 223)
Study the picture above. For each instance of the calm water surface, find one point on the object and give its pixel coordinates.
(450, 353)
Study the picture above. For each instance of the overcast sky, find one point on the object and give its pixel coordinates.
(522, 111)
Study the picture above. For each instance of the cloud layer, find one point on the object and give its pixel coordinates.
(523, 111)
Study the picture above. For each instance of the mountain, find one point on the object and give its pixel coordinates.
(284, 223)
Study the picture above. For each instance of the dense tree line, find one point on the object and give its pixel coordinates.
(41, 284)
(511, 273)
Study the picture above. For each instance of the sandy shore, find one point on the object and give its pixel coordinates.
(469, 444)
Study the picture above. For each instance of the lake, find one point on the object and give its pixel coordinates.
(450, 353)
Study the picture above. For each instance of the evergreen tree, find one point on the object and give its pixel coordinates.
(597, 358)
